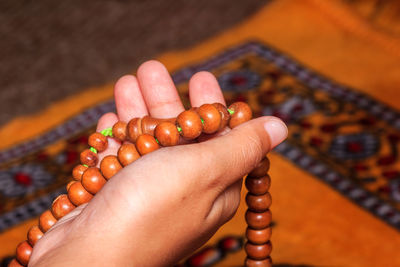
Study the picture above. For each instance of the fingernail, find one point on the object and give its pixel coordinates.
(276, 130)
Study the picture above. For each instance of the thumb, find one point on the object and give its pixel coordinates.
(230, 157)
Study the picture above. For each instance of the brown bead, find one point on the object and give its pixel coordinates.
(134, 129)
(190, 123)
(149, 124)
(261, 169)
(258, 263)
(14, 263)
(109, 166)
(78, 171)
(119, 131)
(167, 134)
(258, 220)
(258, 203)
(127, 154)
(225, 116)
(211, 118)
(146, 144)
(34, 234)
(258, 236)
(69, 184)
(241, 113)
(46, 221)
(98, 141)
(258, 186)
(89, 158)
(78, 195)
(93, 180)
(258, 252)
(61, 206)
(23, 253)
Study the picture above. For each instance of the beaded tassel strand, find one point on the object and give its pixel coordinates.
(258, 216)
(142, 136)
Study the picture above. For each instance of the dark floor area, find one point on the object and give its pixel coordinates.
(51, 49)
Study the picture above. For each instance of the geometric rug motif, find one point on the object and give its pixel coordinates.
(343, 137)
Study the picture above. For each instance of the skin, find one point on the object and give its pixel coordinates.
(165, 205)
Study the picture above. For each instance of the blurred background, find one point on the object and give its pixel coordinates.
(51, 50)
(329, 69)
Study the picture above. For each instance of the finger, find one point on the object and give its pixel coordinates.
(158, 90)
(128, 98)
(107, 121)
(228, 158)
(204, 88)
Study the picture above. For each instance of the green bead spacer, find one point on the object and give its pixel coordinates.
(85, 165)
(93, 150)
(107, 132)
(179, 128)
(230, 111)
(202, 121)
(157, 140)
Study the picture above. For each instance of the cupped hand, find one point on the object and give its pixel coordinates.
(167, 203)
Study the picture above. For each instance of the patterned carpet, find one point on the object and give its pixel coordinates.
(345, 137)
(337, 134)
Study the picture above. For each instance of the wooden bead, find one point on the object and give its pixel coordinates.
(119, 131)
(258, 236)
(127, 154)
(258, 203)
(258, 252)
(258, 220)
(93, 180)
(69, 184)
(109, 166)
(258, 263)
(241, 113)
(261, 169)
(78, 171)
(190, 123)
(78, 195)
(61, 206)
(225, 116)
(34, 234)
(46, 221)
(23, 253)
(211, 118)
(167, 134)
(149, 124)
(258, 186)
(134, 129)
(98, 141)
(89, 158)
(14, 263)
(146, 144)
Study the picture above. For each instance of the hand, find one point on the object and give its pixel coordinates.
(169, 202)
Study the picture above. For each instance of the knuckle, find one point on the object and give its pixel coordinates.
(251, 152)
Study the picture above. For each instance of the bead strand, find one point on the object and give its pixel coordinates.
(258, 216)
(141, 136)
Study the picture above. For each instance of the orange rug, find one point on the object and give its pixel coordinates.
(336, 180)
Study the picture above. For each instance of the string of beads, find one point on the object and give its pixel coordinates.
(141, 136)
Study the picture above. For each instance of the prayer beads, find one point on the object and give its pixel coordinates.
(127, 154)
(258, 216)
(34, 234)
(141, 136)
